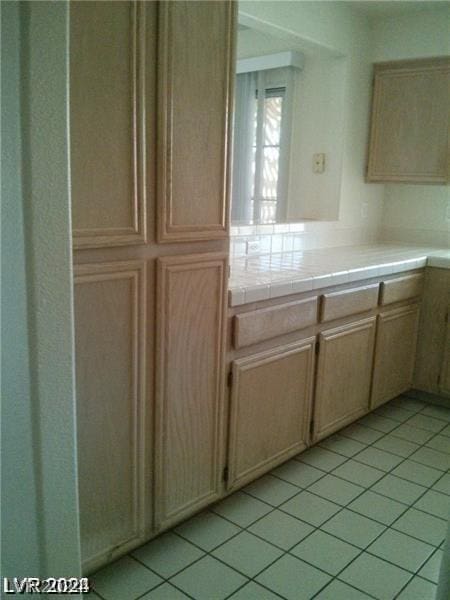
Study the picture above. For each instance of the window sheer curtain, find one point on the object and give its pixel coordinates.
(249, 136)
(244, 135)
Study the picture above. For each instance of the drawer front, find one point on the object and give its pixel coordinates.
(401, 288)
(259, 325)
(348, 302)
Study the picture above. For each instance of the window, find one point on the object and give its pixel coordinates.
(261, 146)
(266, 154)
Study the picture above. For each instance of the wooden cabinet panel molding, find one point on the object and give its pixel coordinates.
(107, 97)
(335, 305)
(343, 377)
(259, 325)
(270, 409)
(409, 139)
(395, 351)
(110, 322)
(195, 82)
(432, 367)
(401, 288)
(191, 303)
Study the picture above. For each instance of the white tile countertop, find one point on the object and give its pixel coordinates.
(274, 275)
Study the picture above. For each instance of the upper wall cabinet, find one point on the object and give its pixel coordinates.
(409, 139)
(109, 42)
(195, 75)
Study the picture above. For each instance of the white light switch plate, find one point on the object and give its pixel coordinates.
(319, 162)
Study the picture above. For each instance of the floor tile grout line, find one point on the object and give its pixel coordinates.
(315, 528)
(405, 586)
(253, 580)
(284, 552)
(389, 526)
(435, 551)
(408, 457)
(367, 489)
(318, 528)
(404, 458)
(370, 596)
(130, 555)
(412, 571)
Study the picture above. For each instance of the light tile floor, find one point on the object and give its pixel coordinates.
(361, 515)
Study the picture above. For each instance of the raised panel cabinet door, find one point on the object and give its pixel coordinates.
(270, 409)
(191, 294)
(432, 344)
(395, 352)
(344, 373)
(195, 81)
(110, 300)
(444, 379)
(410, 122)
(107, 94)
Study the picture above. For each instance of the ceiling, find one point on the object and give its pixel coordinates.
(391, 8)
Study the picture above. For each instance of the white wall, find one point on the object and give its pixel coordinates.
(334, 27)
(317, 123)
(318, 127)
(415, 213)
(40, 529)
(20, 545)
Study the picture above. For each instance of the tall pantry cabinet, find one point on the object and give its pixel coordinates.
(150, 107)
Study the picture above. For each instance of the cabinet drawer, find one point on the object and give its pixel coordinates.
(348, 302)
(402, 288)
(259, 325)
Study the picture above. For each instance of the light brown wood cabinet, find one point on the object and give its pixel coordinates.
(112, 54)
(432, 368)
(395, 351)
(270, 409)
(444, 378)
(343, 378)
(409, 139)
(195, 83)
(110, 317)
(150, 93)
(364, 345)
(189, 384)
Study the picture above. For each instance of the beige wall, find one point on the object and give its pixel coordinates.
(414, 213)
(336, 29)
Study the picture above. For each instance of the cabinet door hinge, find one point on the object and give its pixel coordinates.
(317, 347)
(225, 475)
(230, 378)
(311, 427)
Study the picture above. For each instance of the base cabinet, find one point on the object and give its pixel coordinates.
(432, 369)
(343, 376)
(270, 409)
(189, 384)
(444, 376)
(394, 353)
(113, 433)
